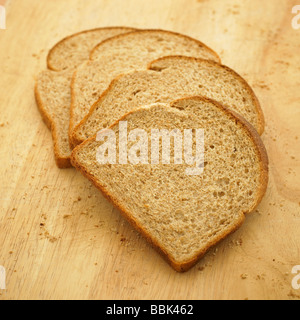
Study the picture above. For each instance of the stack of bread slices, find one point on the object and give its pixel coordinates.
(157, 79)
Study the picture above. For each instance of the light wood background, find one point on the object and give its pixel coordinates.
(59, 238)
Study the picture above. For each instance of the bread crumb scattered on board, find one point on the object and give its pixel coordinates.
(293, 295)
(45, 233)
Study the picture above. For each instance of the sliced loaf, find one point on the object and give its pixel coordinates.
(53, 89)
(123, 53)
(166, 79)
(183, 216)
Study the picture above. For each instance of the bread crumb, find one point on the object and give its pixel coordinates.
(244, 276)
(46, 234)
(215, 252)
(293, 295)
(236, 243)
(52, 239)
(67, 216)
(282, 62)
(262, 85)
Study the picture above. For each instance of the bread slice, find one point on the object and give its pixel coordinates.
(53, 89)
(167, 79)
(183, 216)
(125, 53)
(53, 96)
(73, 50)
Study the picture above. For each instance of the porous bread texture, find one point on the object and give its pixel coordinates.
(124, 53)
(167, 79)
(53, 89)
(183, 216)
(53, 96)
(75, 49)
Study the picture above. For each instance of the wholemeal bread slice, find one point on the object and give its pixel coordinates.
(125, 53)
(166, 79)
(53, 96)
(53, 88)
(73, 50)
(181, 215)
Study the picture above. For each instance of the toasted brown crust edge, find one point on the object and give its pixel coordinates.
(62, 162)
(51, 67)
(75, 139)
(185, 266)
(260, 115)
(157, 30)
(254, 136)
(73, 143)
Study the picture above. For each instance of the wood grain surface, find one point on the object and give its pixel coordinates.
(60, 239)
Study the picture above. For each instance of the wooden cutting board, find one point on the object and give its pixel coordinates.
(60, 239)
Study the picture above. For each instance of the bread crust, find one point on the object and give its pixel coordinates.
(52, 50)
(62, 162)
(76, 140)
(186, 265)
(73, 140)
(158, 30)
(260, 119)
